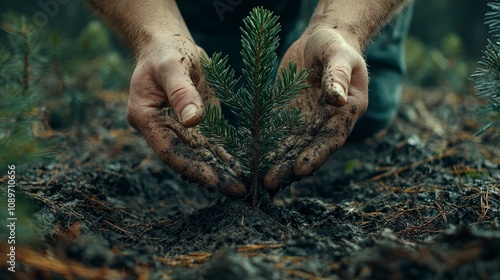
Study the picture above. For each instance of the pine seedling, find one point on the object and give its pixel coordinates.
(260, 106)
(487, 77)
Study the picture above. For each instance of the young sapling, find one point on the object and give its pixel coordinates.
(260, 105)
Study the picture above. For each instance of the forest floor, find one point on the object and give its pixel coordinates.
(421, 200)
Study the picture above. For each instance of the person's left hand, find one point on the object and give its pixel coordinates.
(337, 98)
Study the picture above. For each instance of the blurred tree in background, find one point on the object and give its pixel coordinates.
(48, 77)
(447, 36)
(446, 39)
(435, 19)
(432, 20)
(66, 16)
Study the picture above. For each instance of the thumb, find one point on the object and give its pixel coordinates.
(333, 60)
(335, 80)
(181, 92)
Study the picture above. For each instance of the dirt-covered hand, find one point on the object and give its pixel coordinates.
(167, 98)
(337, 98)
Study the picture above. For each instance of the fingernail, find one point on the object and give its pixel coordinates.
(188, 113)
(339, 89)
(339, 96)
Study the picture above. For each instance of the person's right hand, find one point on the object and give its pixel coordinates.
(166, 102)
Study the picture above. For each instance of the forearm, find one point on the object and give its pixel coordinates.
(357, 20)
(138, 22)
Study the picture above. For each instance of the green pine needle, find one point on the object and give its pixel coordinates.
(263, 119)
(487, 77)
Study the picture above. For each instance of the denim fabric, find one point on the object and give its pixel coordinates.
(385, 57)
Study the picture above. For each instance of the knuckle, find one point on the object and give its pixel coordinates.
(131, 116)
(171, 64)
(178, 94)
(343, 72)
(340, 70)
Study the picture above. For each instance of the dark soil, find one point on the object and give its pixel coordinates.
(421, 200)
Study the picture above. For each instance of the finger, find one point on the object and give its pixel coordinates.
(279, 175)
(223, 155)
(341, 72)
(182, 159)
(335, 80)
(230, 186)
(176, 76)
(171, 150)
(332, 135)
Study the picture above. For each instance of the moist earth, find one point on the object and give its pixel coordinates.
(420, 200)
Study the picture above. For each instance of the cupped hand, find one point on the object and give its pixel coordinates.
(337, 98)
(167, 97)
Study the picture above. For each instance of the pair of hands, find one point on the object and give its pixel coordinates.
(168, 93)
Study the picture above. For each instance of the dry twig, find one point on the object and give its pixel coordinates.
(397, 170)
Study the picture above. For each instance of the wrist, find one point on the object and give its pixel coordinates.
(348, 36)
(139, 23)
(356, 21)
(161, 42)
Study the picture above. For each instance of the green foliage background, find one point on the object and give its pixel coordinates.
(435, 19)
(447, 36)
(47, 78)
(445, 43)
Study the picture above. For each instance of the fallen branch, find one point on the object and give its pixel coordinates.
(195, 259)
(66, 268)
